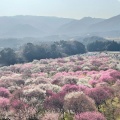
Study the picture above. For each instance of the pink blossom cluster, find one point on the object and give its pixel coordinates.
(77, 87)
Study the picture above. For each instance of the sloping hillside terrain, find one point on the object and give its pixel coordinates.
(73, 88)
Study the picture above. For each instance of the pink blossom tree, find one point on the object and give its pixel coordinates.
(89, 116)
(4, 92)
(78, 102)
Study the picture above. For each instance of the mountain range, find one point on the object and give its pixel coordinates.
(39, 26)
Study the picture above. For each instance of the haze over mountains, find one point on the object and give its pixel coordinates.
(39, 26)
(77, 27)
(29, 26)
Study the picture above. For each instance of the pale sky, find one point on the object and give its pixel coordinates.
(61, 8)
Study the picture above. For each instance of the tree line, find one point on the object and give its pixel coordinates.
(30, 51)
(103, 46)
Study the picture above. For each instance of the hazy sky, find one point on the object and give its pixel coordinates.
(61, 8)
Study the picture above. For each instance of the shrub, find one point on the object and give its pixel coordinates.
(78, 102)
(51, 116)
(99, 94)
(4, 103)
(89, 116)
(18, 105)
(70, 88)
(4, 92)
(115, 74)
(55, 102)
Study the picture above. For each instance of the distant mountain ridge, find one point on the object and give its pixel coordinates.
(79, 26)
(38, 26)
(111, 24)
(30, 26)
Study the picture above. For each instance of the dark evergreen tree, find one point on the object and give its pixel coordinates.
(8, 56)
